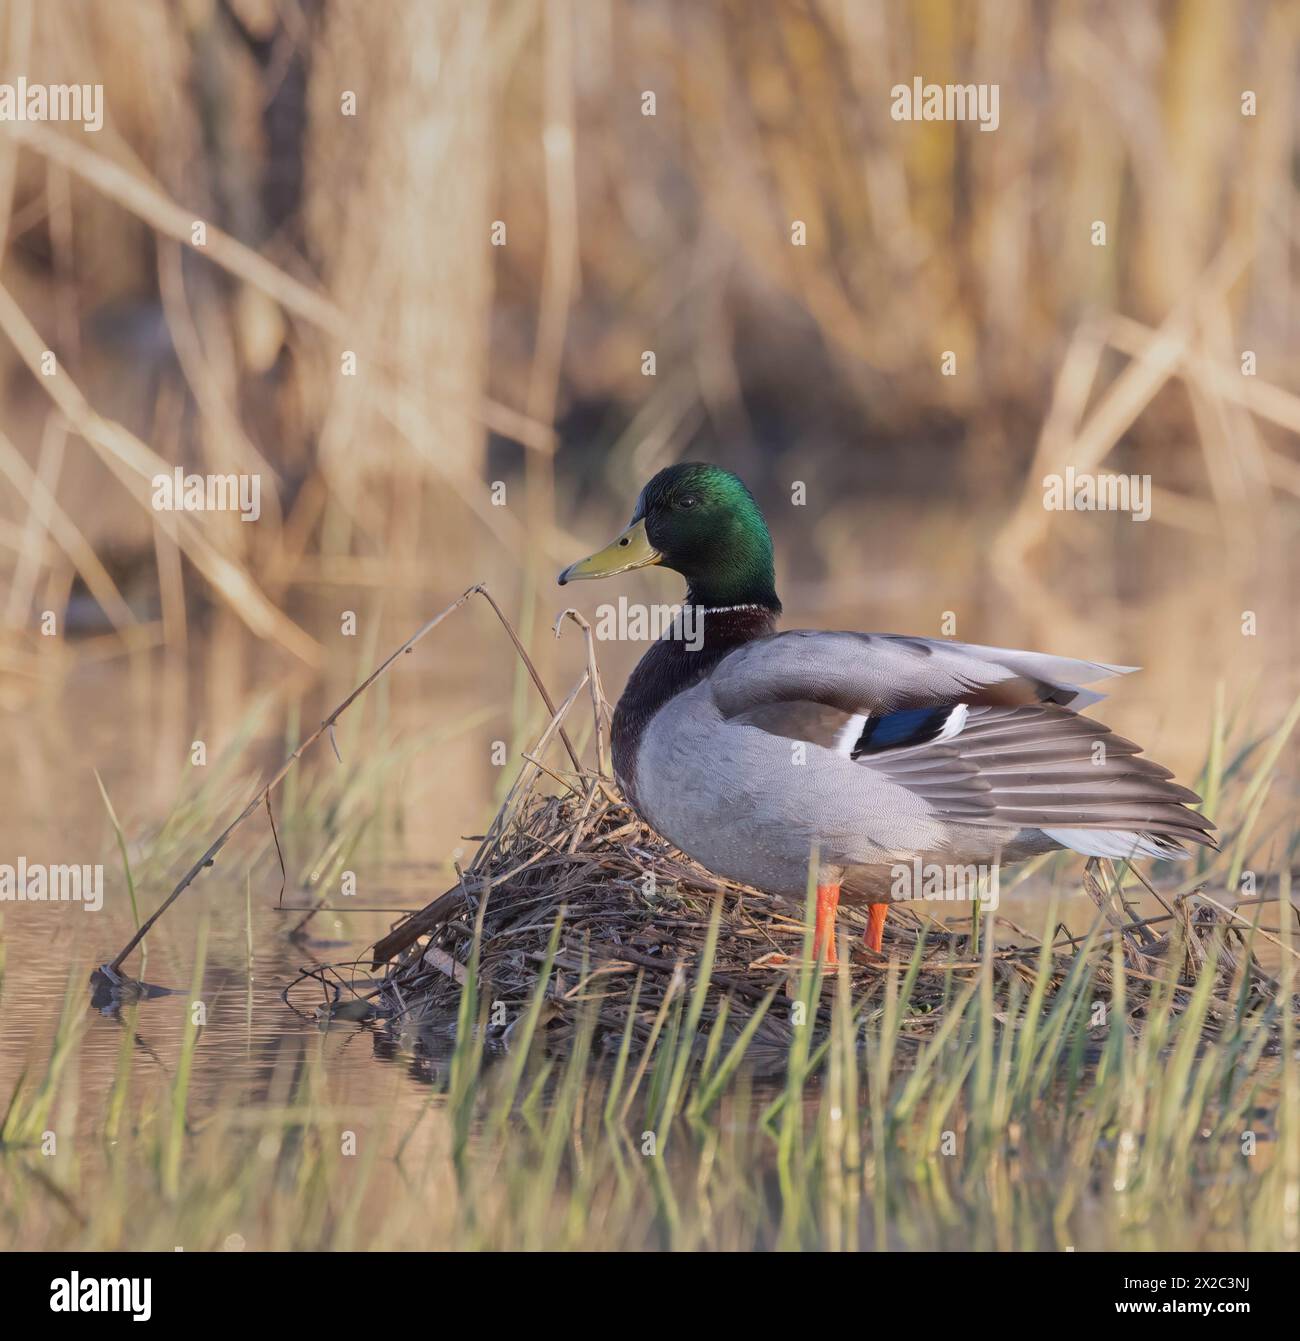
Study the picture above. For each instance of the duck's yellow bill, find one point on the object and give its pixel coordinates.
(631, 550)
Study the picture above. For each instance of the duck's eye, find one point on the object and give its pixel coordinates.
(689, 501)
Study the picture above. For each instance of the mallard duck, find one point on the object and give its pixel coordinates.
(756, 752)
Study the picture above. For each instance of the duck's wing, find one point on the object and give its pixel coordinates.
(983, 736)
(880, 672)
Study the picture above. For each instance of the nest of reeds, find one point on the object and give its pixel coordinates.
(574, 886)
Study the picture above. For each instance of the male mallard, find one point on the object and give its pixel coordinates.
(757, 749)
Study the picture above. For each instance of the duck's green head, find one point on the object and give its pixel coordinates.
(700, 521)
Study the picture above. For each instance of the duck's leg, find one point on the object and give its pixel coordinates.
(874, 935)
(828, 900)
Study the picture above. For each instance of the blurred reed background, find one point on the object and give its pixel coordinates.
(627, 233)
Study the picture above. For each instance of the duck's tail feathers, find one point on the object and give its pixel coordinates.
(1122, 844)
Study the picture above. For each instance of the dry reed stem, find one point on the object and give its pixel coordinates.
(111, 970)
(1116, 410)
(45, 514)
(134, 463)
(149, 203)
